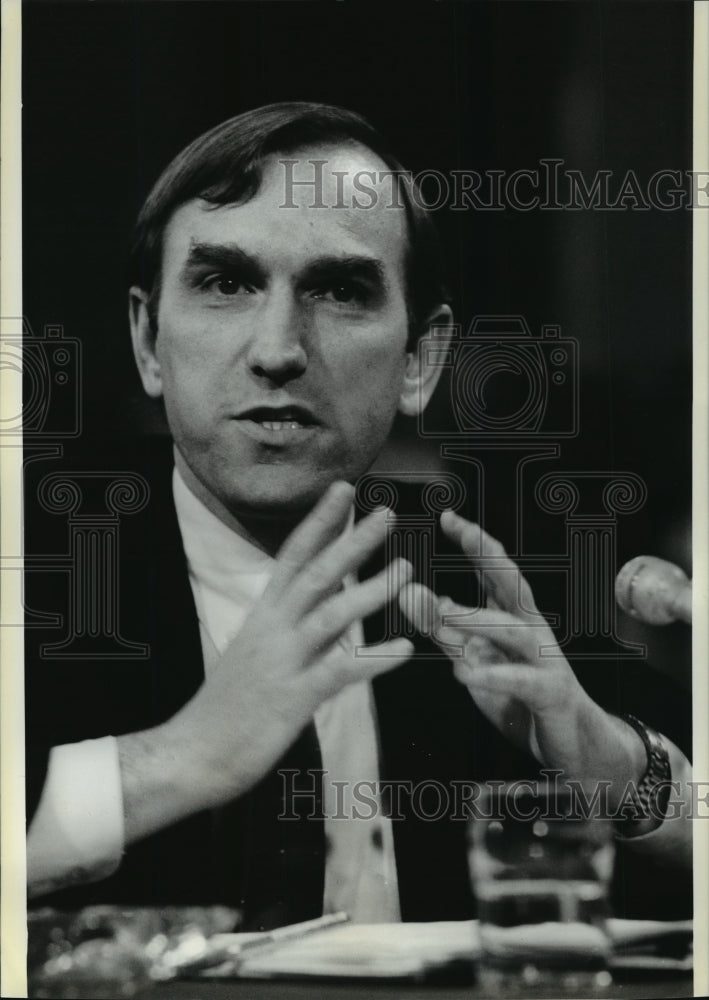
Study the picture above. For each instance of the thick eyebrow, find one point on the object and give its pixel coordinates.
(227, 257)
(230, 257)
(330, 269)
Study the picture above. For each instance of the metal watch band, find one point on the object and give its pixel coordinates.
(659, 772)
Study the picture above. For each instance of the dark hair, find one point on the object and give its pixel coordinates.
(224, 166)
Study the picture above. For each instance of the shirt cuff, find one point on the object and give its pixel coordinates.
(76, 834)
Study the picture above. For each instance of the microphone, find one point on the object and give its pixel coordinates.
(654, 591)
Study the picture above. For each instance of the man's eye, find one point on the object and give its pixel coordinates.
(344, 292)
(225, 284)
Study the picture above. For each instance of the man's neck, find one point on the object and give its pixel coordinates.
(265, 532)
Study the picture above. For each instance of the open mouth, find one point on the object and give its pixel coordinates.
(280, 425)
(279, 421)
(279, 417)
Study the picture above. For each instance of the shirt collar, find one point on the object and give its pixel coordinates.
(215, 554)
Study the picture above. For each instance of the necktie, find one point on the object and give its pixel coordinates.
(275, 842)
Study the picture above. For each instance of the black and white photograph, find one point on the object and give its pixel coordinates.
(356, 359)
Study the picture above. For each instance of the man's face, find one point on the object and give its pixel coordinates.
(280, 350)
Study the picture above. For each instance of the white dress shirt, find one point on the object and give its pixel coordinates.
(77, 832)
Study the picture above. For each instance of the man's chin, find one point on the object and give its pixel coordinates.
(268, 517)
(287, 499)
(272, 509)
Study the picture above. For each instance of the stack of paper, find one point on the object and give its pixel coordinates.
(416, 951)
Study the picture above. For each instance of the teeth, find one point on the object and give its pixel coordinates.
(279, 425)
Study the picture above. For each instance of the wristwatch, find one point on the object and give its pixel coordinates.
(653, 789)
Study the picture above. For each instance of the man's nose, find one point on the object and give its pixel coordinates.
(277, 348)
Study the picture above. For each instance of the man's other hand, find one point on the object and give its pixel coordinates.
(507, 657)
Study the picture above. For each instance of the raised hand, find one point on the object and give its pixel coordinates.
(284, 662)
(513, 668)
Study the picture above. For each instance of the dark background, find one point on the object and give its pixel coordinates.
(111, 91)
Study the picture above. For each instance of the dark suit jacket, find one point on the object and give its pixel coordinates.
(430, 730)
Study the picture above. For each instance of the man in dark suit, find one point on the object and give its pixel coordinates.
(275, 310)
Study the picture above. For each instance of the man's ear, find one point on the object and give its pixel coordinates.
(422, 375)
(143, 337)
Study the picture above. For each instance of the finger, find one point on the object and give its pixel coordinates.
(524, 682)
(324, 522)
(323, 576)
(424, 610)
(453, 626)
(420, 605)
(324, 626)
(481, 651)
(503, 582)
(517, 640)
(331, 673)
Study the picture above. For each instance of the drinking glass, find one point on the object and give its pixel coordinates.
(541, 865)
